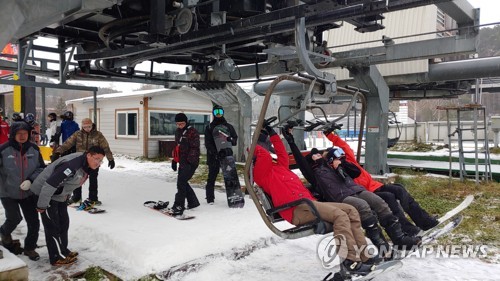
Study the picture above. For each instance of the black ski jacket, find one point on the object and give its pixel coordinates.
(209, 138)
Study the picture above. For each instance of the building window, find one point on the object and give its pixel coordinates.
(162, 123)
(126, 123)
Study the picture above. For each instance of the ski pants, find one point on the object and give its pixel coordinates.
(13, 218)
(77, 193)
(213, 170)
(419, 216)
(346, 226)
(184, 190)
(365, 202)
(55, 221)
(393, 204)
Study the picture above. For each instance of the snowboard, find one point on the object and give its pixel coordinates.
(235, 198)
(450, 214)
(166, 211)
(92, 210)
(380, 268)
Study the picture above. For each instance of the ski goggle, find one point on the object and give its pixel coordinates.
(218, 111)
(339, 153)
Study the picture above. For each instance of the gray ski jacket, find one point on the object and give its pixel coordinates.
(60, 178)
(18, 162)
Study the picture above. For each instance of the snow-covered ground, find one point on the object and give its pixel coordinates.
(219, 244)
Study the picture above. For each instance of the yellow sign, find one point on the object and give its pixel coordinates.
(16, 97)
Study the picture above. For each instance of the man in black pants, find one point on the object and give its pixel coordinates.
(52, 188)
(187, 155)
(213, 160)
(20, 163)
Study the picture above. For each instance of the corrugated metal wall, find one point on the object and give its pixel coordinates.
(401, 23)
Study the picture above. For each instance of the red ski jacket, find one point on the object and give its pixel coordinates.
(364, 179)
(276, 179)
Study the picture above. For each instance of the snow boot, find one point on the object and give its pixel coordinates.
(410, 229)
(6, 239)
(73, 200)
(357, 267)
(430, 223)
(86, 205)
(32, 255)
(374, 232)
(177, 211)
(398, 237)
(64, 261)
(14, 247)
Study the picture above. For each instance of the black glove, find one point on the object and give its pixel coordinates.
(263, 136)
(174, 166)
(111, 164)
(331, 128)
(287, 135)
(55, 156)
(270, 131)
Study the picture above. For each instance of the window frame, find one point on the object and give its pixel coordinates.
(202, 113)
(127, 111)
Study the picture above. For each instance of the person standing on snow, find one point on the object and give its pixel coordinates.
(68, 128)
(213, 155)
(20, 163)
(55, 130)
(52, 189)
(283, 186)
(83, 139)
(187, 156)
(389, 192)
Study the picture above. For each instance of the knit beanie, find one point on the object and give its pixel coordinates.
(181, 117)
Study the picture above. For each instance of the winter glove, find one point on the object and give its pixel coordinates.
(287, 134)
(25, 185)
(55, 156)
(174, 166)
(331, 128)
(263, 136)
(270, 131)
(111, 164)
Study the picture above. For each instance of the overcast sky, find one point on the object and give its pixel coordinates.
(489, 10)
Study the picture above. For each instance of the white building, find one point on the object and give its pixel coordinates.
(135, 122)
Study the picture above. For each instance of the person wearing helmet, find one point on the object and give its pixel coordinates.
(214, 156)
(16, 116)
(35, 127)
(68, 128)
(20, 163)
(55, 130)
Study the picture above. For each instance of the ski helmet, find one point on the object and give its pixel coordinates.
(68, 115)
(30, 118)
(16, 116)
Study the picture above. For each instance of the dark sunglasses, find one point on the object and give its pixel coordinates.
(219, 111)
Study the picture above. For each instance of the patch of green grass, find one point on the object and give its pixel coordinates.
(495, 150)
(94, 273)
(481, 219)
(414, 146)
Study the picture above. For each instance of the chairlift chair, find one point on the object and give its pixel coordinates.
(393, 120)
(268, 212)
